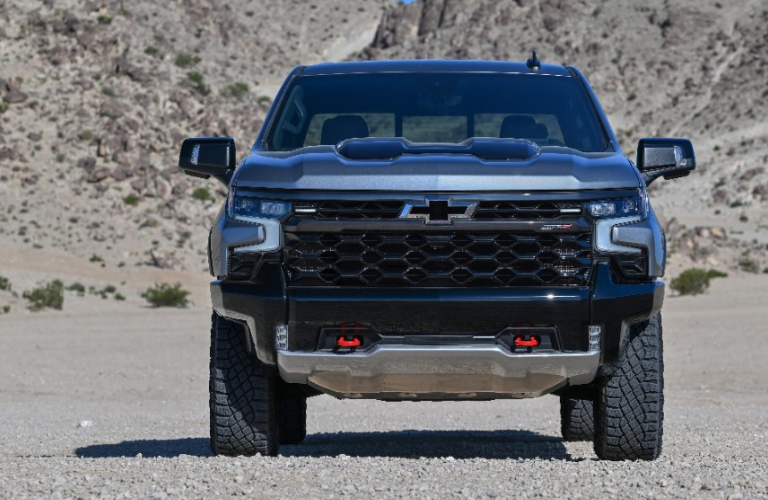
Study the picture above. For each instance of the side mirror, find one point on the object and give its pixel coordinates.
(670, 158)
(208, 156)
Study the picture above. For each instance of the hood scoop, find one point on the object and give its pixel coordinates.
(373, 148)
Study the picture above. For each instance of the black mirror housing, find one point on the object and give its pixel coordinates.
(208, 156)
(670, 158)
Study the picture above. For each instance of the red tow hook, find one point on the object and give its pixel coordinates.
(342, 342)
(346, 329)
(521, 342)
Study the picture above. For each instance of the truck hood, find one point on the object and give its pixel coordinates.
(436, 169)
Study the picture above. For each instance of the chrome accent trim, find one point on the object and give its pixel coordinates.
(272, 234)
(195, 156)
(679, 161)
(438, 372)
(260, 237)
(604, 235)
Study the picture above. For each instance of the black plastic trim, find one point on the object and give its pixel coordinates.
(615, 307)
(438, 311)
(259, 307)
(426, 311)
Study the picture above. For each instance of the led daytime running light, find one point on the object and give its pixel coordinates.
(251, 209)
(618, 208)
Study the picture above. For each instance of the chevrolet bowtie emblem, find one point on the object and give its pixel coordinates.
(439, 210)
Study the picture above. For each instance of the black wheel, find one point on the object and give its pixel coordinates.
(629, 410)
(577, 419)
(242, 395)
(292, 420)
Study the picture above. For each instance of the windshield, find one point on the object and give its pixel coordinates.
(437, 107)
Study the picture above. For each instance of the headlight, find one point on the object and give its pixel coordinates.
(613, 213)
(250, 209)
(263, 214)
(619, 208)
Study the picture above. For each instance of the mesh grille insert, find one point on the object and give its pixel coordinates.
(450, 259)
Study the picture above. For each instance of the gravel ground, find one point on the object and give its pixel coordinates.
(114, 404)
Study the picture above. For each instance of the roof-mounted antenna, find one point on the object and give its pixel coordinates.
(534, 63)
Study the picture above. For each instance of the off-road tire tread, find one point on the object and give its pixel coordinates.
(629, 410)
(292, 420)
(577, 419)
(242, 399)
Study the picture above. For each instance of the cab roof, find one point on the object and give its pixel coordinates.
(434, 66)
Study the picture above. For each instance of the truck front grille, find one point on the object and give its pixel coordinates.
(438, 259)
(352, 210)
(527, 210)
(391, 210)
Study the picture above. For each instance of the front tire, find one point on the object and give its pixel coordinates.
(243, 409)
(629, 409)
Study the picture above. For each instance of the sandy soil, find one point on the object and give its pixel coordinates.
(138, 376)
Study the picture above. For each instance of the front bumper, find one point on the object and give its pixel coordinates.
(459, 372)
(430, 311)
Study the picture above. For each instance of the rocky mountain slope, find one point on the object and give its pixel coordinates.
(95, 97)
(660, 68)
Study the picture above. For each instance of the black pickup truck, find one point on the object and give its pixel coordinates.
(437, 230)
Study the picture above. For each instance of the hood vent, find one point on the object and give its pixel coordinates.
(491, 149)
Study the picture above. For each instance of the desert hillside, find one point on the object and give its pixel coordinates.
(680, 68)
(95, 98)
